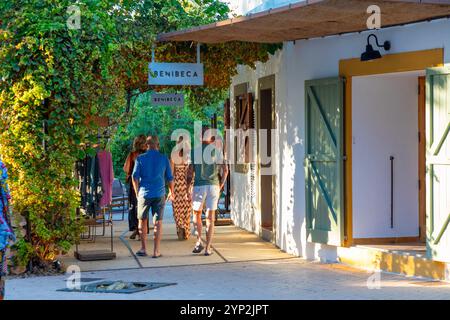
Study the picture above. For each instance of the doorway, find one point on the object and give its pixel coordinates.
(385, 158)
(266, 115)
(399, 63)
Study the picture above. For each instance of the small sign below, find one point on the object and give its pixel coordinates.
(175, 74)
(168, 99)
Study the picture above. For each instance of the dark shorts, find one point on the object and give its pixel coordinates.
(157, 206)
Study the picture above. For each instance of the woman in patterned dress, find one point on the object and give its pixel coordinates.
(182, 205)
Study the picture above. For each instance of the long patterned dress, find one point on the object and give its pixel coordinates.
(182, 205)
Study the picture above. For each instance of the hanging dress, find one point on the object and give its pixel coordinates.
(6, 232)
(182, 205)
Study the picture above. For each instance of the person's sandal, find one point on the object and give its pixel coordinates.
(141, 253)
(209, 253)
(134, 235)
(156, 257)
(198, 248)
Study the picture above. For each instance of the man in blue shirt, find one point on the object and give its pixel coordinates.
(151, 172)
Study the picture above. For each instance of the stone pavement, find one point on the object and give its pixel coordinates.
(288, 279)
(243, 267)
(230, 245)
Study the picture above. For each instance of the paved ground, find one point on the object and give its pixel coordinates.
(230, 244)
(276, 279)
(244, 267)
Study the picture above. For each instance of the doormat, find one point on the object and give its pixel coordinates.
(118, 287)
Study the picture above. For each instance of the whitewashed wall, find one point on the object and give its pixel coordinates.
(305, 60)
(385, 123)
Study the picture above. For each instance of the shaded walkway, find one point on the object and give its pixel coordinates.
(230, 244)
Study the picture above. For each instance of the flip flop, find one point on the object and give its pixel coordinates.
(156, 257)
(209, 253)
(198, 248)
(141, 253)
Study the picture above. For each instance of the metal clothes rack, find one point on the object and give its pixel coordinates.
(95, 217)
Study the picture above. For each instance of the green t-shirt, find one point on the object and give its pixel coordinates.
(206, 166)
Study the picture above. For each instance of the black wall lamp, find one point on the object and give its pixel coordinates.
(370, 53)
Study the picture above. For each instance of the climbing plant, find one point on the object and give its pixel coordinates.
(54, 77)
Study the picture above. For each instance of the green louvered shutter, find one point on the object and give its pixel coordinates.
(438, 163)
(324, 161)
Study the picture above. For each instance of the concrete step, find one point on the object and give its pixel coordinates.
(404, 263)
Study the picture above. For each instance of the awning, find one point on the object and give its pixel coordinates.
(311, 19)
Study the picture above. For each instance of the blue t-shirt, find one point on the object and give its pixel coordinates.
(152, 169)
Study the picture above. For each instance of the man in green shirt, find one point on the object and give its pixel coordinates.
(209, 172)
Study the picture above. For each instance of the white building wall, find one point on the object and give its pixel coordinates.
(305, 60)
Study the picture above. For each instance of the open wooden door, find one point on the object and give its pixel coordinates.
(324, 161)
(438, 163)
(227, 120)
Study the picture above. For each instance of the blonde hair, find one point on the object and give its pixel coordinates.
(140, 143)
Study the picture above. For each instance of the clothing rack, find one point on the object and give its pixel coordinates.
(94, 216)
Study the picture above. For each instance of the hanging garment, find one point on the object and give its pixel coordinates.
(107, 177)
(94, 192)
(82, 170)
(6, 233)
(182, 205)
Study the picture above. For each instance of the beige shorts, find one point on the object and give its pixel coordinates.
(206, 197)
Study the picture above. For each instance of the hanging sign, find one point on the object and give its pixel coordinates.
(168, 99)
(175, 74)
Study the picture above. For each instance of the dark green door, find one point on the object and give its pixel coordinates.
(324, 161)
(438, 163)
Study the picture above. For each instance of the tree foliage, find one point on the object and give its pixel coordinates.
(149, 119)
(53, 79)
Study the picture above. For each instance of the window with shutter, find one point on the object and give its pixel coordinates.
(244, 120)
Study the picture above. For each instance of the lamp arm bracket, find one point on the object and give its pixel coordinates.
(386, 45)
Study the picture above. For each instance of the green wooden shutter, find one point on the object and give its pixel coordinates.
(324, 161)
(438, 163)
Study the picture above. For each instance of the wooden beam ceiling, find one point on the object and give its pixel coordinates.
(311, 19)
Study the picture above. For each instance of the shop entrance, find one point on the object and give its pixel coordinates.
(388, 158)
(266, 123)
(399, 221)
